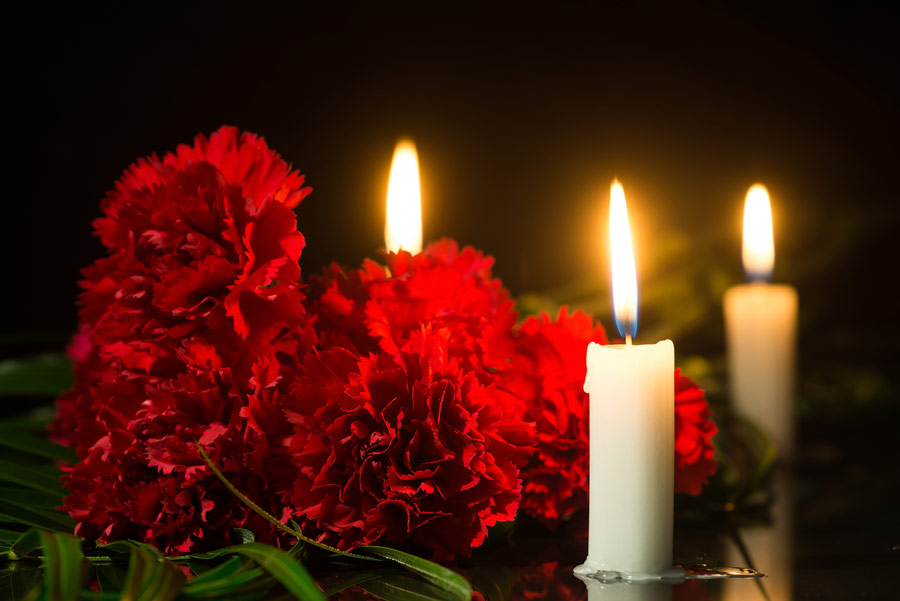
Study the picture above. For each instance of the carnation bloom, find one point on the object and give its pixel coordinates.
(547, 375)
(401, 429)
(374, 308)
(192, 321)
(411, 447)
(695, 459)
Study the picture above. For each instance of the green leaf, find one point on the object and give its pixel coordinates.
(63, 566)
(237, 575)
(352, 580)
(14, 437)
(399, 587)
(111, 577)
(284, 568)
(295, 532)
(43, 478)
(150, 577)
(242, 536)
(41, 375)
(31, 498)
(19, 514)
(226, 584)
(8, 537)
(28, 541)
(445, 578)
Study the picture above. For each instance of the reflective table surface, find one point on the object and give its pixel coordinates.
(830, 531)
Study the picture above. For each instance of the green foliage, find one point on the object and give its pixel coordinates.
(40, 558)
(448, 580)
(63, 566)
(41, 375)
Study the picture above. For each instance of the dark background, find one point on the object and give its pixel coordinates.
(522, 114)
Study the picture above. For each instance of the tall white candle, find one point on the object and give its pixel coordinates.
(760, 327)
(632, 433)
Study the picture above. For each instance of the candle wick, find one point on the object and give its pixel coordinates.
(627, 339)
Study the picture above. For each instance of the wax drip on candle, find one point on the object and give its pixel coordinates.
(624, 276)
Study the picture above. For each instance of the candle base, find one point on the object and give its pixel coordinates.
(586, 570)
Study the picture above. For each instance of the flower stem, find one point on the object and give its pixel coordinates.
(268, 516)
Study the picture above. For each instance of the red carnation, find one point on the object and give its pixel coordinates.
(376, 308)
(193, 320)
(402, 432)
(548, 374)
(695, 460)
(406, 447)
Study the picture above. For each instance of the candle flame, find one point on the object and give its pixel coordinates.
(759, 247)
(624, 275)
(403, 223)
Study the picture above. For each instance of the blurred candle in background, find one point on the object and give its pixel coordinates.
(403, 219)
(632, 430)
(760, 327)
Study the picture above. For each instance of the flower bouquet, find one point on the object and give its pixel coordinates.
(235, 425)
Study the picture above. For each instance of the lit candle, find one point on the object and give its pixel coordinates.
(760, 326)
(403, 219)
(632, 430)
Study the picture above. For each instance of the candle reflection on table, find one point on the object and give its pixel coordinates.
(627, 591)
(771, 549)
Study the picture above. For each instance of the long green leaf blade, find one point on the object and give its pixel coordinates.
(28, 541)
(443, 577)
(8, 537)
(284, 568)
(43, 478)
(19, 514)
(151, 577)
(14, 437)
(31, 498)
(63, 566)
(40, 375)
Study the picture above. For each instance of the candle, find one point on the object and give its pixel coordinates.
(760, 327)
(632, 430)
(403, 219)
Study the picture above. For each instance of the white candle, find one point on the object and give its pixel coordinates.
(403, 216)
(760, 327)
(632, 431)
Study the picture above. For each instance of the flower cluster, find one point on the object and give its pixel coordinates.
(401, 429)
(184, 323)
(397, 402)
(548, 377)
